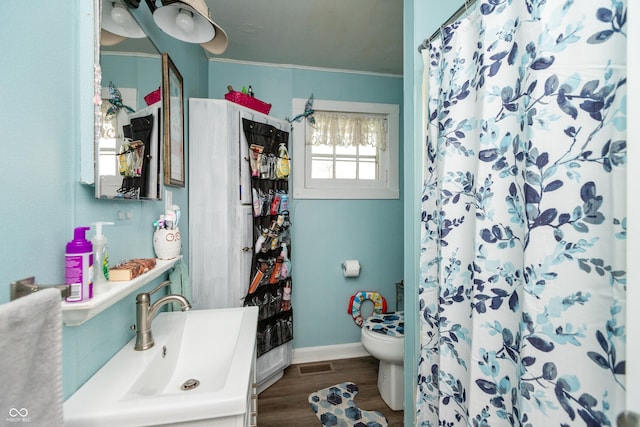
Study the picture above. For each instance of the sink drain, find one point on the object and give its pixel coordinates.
(189, 384)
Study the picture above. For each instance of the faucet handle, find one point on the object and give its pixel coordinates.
(145, 297)
(160, 286)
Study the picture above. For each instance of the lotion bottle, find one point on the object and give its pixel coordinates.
(282, 164)
(78, 267)
(101, 260)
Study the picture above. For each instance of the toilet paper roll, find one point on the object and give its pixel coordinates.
(351, 268)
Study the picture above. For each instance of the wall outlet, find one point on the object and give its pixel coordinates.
(124, 215)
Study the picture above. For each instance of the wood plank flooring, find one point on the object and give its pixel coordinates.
(285, 403)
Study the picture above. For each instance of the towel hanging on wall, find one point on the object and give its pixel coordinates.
(31, 359)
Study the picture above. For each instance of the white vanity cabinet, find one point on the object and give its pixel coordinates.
(247, 419)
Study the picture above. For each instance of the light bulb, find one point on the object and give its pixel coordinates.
(184, 21)
(119, 14)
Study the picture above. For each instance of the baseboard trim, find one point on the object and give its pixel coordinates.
(328, 352)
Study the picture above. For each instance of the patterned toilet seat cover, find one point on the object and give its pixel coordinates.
(391, 324)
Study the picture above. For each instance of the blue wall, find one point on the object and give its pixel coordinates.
(326, 232)
(141, 72)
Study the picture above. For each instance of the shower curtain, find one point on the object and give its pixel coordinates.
(522, 293)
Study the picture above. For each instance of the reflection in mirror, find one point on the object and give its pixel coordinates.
(128, 149)
(129, 155)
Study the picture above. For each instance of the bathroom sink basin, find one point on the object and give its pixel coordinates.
(199, 369)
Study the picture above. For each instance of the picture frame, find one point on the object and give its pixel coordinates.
(173, 117)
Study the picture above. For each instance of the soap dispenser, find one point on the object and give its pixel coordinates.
(100, 260)
(78, 266)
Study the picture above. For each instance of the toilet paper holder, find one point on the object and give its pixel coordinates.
(351, 268)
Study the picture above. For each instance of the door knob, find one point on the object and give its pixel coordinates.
(628, 419)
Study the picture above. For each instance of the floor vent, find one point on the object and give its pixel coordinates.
(315, 368)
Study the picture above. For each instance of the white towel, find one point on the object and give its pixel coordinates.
(31, 360)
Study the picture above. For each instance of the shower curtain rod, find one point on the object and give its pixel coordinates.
(453, 18)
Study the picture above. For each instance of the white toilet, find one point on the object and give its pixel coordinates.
(383, 338)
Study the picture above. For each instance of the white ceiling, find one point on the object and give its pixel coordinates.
(360, 35)
(357, 35)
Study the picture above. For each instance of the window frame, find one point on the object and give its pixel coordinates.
(386, 187)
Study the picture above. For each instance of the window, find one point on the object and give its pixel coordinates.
(350, 153)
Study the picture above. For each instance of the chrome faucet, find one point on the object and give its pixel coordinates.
(145, 312)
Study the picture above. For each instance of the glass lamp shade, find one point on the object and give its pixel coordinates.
(117, 19)
(173, 19)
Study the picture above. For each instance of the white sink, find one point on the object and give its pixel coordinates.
(143, 388)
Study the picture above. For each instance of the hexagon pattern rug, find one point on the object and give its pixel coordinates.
(334, 406)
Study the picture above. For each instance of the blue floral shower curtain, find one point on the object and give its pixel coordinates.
(522, 296)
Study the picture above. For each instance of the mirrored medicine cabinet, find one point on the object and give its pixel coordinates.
(128, 141)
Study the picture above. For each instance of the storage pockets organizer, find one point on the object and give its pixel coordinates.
(274, 331)
(270, 282)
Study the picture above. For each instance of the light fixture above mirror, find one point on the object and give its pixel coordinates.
(189, 21)
(184, 23)
(116, 19)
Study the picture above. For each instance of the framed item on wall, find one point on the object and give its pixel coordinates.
(173, 105)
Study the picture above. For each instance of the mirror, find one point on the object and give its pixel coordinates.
(128, 149)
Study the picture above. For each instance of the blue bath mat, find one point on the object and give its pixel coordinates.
(334, 406)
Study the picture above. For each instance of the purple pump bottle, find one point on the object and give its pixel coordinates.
(78, 267)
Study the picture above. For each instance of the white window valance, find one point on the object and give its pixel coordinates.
(348, 129)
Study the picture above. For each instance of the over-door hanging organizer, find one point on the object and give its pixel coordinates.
(270, 279)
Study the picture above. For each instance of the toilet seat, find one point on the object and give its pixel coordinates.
(379, 305)
(383, 336)
(390, 324)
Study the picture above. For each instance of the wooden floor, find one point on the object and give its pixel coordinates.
(285, 404)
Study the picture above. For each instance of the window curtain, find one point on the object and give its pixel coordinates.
(348, 129)
(523, 253)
